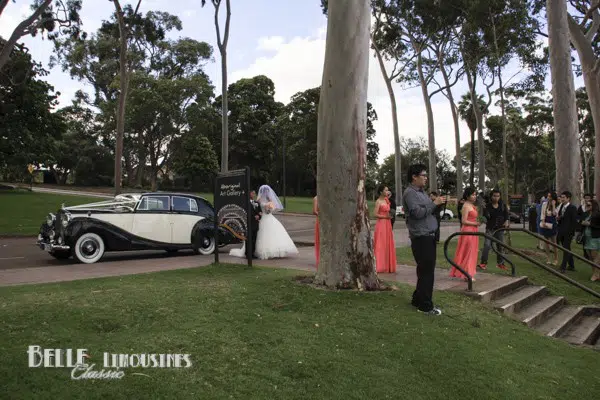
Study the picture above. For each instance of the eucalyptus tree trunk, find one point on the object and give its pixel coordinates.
(590, 66)
(563, 94)
(124, 85)
(433, 183)
(346, 248)
(397, 149)
(455, 118)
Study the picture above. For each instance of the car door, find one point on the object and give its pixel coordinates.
(184, 215)
(152, 219)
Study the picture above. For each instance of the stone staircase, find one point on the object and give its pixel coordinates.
(537, 308)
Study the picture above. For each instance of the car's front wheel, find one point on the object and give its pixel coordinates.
(204, 245)
(89, 248)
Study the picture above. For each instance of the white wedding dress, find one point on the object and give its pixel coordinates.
(272, 240)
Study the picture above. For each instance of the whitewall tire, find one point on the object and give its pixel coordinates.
(89, 248)
(204, 245)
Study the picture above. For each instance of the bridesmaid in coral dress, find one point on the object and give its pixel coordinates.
(317, 238)
(383, 242)
(468, 246)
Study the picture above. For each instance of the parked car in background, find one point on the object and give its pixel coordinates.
(149, 221)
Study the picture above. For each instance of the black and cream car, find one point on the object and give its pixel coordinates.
(149, 221)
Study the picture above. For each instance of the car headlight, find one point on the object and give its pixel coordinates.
(50, 219)
(65, 218)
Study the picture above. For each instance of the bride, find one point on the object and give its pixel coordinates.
(272, 240)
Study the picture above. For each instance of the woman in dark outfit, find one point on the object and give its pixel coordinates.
(392, 208)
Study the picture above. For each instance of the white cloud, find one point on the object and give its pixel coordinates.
(297, 64)
(270, 43)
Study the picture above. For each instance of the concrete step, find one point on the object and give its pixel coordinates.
(560, 321)
(519, 299)
(539, 311)
(495, 289)
(585, 331)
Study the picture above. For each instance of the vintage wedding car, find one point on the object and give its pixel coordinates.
(149, 221)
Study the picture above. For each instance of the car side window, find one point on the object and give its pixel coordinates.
(184, 204)
(154, 203)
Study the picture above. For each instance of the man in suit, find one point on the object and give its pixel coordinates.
(567, 225)
(256, 214)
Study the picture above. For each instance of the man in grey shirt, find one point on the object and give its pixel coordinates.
(422, 224)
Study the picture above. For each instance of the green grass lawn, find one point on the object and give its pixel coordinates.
(255, 333)
(536, 275)
(22, 212)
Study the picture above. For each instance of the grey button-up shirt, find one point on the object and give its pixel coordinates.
(419, 212)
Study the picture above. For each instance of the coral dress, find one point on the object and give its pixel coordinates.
(467, 249)
(383, 242)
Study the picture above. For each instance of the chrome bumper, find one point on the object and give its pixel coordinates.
(51, 246)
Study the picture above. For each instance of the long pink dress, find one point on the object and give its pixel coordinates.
(383, 242)
(467, 249)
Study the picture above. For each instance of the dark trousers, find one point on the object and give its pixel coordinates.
(423, 249)
(488, 244)
(565, 241)
(250, 251)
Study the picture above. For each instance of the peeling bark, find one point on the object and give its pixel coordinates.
(346, 259)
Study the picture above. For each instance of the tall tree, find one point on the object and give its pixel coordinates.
(123, 86)
(585, 36)
(222, 44)
(467, 113)
(60, 17)
(298, 123)
(252, 114)
(388, 45)
(563, 94)
(28, 126)
(446, 54)
(346, 259)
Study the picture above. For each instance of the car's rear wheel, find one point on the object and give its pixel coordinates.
(89, 248)
(204, 245)
(60, 254)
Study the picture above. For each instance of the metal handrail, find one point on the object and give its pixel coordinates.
(585, 260)
(458, 267)
(517, 252)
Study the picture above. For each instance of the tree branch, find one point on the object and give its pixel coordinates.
(3, 4)
(19, 32)
(217, 4)
(227, 20)
(591, 12)
(589, 35)
(582, 44)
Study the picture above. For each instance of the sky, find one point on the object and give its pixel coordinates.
(284, 40)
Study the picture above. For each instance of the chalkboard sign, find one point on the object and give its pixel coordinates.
(233, 211)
